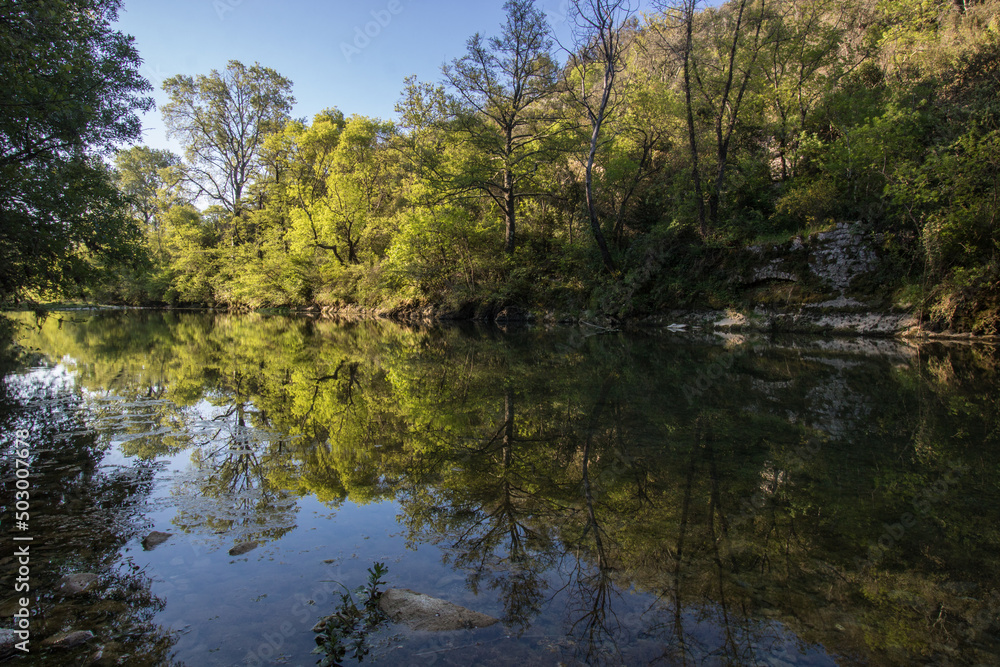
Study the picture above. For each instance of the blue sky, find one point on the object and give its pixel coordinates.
(305, 41)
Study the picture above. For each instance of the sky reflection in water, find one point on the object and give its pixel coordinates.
(612, 499)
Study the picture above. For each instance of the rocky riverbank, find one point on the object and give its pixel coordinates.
(826, 283)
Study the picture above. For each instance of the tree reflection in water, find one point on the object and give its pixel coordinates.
(230, 491)
(84, 510)
(583, 496)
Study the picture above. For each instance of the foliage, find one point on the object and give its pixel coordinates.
(70, 91)
(222, 119)
(750, 119)
(346, 630)
(500, 117)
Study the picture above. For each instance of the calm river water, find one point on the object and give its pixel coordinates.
(669, 499)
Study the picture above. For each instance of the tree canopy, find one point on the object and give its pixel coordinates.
(70, 92)
(633, 172)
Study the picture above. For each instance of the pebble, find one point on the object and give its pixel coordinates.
(69, 639)
(74, 584)
(242, 548)
(154, 539)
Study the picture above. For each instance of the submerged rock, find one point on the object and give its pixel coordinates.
(513, 314)
(154, 539)
(242, 548)
(69, 639)
(422, 612)
(8, 638)
(74, 584)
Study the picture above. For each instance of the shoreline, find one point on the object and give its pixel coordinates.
(855, 323)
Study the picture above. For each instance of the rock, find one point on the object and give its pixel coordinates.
(7, 640)
(242, 548)
(74, 584)
(154, 539)
(69, 639)
(422, 612)
(839, 255)
(773, 270)
(513, 314)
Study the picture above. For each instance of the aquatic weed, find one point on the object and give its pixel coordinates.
(346, 630)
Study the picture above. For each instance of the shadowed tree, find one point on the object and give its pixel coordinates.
(681, 16)
(736, 38)
(718, 51)
(69, 92)
(598, 60)
(499, 87)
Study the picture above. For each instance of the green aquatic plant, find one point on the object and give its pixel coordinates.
(344, 633)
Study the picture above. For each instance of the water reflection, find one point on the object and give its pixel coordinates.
(82, 511)
(614, 499)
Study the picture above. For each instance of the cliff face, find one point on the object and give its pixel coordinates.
(837, 275)
(828, 261)
(827, 282)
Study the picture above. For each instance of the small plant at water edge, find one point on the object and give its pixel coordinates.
(344, 633)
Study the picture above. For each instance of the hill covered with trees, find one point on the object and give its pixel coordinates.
(633, 170)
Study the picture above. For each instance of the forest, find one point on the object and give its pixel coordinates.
(623, 173)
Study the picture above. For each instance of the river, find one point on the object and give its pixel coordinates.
(611, 498)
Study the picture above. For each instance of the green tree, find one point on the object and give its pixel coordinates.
(500, 87)
(142, 173)
(723, 70)
(222, 119)
(356, 190)
(802, 65)
(191, 242)
(70, 91)
(598, 60)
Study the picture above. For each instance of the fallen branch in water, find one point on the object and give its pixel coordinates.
(602, 330)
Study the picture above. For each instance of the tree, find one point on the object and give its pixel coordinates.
(500, 86)
(142, 173)
(718, 51)
(70, 91)
(191, 242)
(222, 120)
(356, 188)
(682, 14)
(803, 63)
(722, 75)
(597, 60)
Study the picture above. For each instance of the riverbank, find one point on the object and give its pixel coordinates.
(830, 282)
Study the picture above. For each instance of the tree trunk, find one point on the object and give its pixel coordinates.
(692, 138)
(510, 210)
(595, 224)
